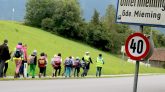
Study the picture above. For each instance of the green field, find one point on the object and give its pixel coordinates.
(52, 44)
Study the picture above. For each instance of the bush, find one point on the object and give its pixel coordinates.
(47, 24)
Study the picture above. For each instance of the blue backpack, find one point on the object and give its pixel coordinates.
(68, 62)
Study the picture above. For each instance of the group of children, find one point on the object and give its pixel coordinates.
(71, 64)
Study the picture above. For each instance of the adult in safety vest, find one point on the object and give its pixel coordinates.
(99, 65)
(87, 59)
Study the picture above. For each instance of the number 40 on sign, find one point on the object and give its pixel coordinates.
(137, 46)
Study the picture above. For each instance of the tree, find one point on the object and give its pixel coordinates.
(157, 37)
(96, 32)
(95, 18)
(109, 18)
(60, 16)
(161, 40)
(67, 18)
(37, 10)
(116, 33)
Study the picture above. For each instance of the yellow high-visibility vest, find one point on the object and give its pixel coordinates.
(99, 62)
(86, 58)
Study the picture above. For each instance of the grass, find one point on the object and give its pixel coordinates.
(52, 44)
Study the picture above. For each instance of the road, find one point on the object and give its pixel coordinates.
(120, 84)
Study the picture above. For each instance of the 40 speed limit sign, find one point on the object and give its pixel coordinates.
(137, 46)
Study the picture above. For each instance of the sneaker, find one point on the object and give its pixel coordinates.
(53, 75)
(15, 75)
(39, 75)
(27, 75)
(18, 75)
(4, 75)
(82, 75)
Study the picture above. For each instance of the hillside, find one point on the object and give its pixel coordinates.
(87, 6)
(51, 44)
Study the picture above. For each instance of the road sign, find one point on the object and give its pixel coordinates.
(141, 12)
(137, 46)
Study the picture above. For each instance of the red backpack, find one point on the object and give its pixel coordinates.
(57, 60)
(76, 63)
(42, 61)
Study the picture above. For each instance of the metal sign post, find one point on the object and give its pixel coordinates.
(136, 77)
(137, 70)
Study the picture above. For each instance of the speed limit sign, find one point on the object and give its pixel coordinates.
(137, 46)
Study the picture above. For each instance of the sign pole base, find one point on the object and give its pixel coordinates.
(136, 76)
(25, 70)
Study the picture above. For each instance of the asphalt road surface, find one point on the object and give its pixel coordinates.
(122, 84)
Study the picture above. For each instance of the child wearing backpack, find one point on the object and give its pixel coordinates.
(32, 62)
(68, 66)
(77, 65)
(63, 74)
(46, 58)
(83, 65)
(17, 57)
(56, 64)
(41, 64)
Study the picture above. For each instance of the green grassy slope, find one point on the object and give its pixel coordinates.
(52, 44)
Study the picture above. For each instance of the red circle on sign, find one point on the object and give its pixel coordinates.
(146, 50)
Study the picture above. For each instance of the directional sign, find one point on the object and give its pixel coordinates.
(141, 12)
(137, 46)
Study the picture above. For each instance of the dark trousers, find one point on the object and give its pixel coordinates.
(42, 69)
(2, 65)
(76, 71)
(5, 69)
(44, 72)
(21, 70)
(58, 69)
(85, 72)
(98, 71)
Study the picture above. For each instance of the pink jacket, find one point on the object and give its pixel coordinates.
(24, 49)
